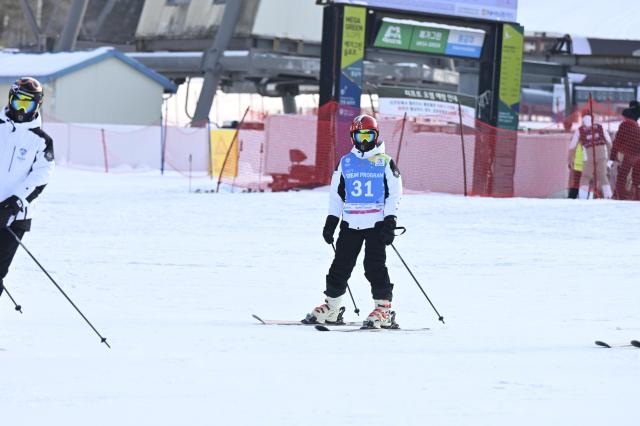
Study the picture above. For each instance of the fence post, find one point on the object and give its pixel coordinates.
(163, 135)
(233, 141)
(373, 109)
(404, 121)
(104, 151)
(593, 148)
(464, 158)
(210, 148)
(260, 167)
(190, 170)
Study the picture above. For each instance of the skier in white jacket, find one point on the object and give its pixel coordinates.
(365, 191)
(26, 162)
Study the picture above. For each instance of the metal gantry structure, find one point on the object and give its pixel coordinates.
(211, 66)
(240, 61)
(69, 35)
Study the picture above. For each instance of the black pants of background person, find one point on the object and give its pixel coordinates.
(8, 248)
(629, 162)
(348, 247)
(574, 183)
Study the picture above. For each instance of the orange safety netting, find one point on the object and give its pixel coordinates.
(283, 152)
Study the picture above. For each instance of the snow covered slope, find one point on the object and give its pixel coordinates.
(172, 279)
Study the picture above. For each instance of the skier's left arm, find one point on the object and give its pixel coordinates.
(43, 164)
(393, 184)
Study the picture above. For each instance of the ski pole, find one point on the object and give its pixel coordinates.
(440, 317)
(2, 287)
(102, 339)
(356, 310)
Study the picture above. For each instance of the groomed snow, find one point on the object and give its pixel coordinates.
(172, 278)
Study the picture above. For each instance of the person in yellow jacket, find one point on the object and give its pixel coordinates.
(576, 164)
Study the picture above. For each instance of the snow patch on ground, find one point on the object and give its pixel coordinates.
(172, 278)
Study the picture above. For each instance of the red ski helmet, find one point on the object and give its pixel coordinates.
(364, 132)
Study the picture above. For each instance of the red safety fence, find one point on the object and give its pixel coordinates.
(433, 154)
(284, 152)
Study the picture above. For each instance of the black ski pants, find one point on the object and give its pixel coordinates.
(8, 248)
(348, 247)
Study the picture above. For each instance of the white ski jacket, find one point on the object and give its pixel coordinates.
(368, 191)
(26, 162)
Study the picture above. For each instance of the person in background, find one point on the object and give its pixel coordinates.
(593, 139)
(576, 172)
(626, 153)
(26, 162)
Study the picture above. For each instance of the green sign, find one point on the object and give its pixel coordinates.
(351, 60)
(429, 40)
(394, 36)
(353, 35)
(510, 76)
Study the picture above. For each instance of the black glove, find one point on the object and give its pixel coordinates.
(9, 208)
(329, 228)
(387, 230)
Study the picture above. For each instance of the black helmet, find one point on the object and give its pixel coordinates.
(631, 113)
(25, 98)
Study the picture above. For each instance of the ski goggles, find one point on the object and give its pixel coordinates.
(23, 102)
(364, 136)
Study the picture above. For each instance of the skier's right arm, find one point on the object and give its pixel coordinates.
(336, 194)
(336, 204)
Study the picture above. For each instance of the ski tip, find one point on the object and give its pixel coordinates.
(321, 328)
(258, 318)
(635, 343)
(602, 344)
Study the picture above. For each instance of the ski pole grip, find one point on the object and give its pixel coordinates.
(401, 228)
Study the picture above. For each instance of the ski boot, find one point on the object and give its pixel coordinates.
(330, 312)
(381, 317)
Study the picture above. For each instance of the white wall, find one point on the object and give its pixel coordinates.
(109, 91)
(4, 94)
(295, 19)
(195, 19)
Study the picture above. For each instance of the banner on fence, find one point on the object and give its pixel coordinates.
(224, 152)
(397, 101)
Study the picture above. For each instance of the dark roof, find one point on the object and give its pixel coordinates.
(608, 47)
